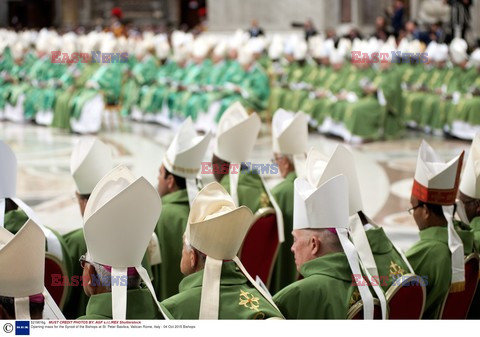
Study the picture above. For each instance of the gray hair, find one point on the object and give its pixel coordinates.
(133, 281)
(329, 239)
(188, 246)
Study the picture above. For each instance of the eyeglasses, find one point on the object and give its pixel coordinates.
(410, 210)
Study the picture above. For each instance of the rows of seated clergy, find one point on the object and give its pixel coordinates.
(433, 88)
(197, 234)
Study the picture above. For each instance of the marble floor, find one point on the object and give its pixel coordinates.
(385, 169)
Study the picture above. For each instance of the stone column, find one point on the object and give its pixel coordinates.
(173, 11)
(414, 8)
(85, 12)
(70, 12)
(4, 14)
(475, 13)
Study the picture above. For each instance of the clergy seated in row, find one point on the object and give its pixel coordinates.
(177, 188)
(375, 249)
(439, 254)
(91, 159)
(323, 254)
(290, 145)
(216, 285)
(119, 220)
(22, 294)
(97, 285)
(236, 136)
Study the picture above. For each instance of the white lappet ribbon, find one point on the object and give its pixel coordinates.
(456, 248)
(352, 258)
(360, 242)
(234, 183)
(119, 291)
(278, 212)
(210, 298)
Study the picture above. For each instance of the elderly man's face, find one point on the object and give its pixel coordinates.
(301, 248)
(283, 163)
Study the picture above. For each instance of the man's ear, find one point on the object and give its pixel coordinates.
(88, 282)
(170, 182)
(193, 259)
(315, 245)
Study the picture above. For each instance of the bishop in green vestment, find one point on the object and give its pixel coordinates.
(238, 298)
(431, 257)
(326, 290)
(169, 230)
(140, 305)
(285, 271)
(215, 287)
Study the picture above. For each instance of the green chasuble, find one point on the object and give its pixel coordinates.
(475, 225)
(76, 302)
(238, 298)
(250, 190)
(326, 292)
(285, 270)
(170, 228)
(431, 259)
(390, 264)
(140, 305)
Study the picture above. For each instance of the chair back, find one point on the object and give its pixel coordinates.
(260, 247)
(457, 304)
(406, 297)
(55, 274)
(356, 310)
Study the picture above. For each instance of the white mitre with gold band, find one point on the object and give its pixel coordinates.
(217, 227)
(437, 182)
(8, 189)
(91, 160)
(22, 260)
(185, 153)
(290, 137)
(120, 217)
(326, 207)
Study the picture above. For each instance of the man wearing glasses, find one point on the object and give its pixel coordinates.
(438, 256)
